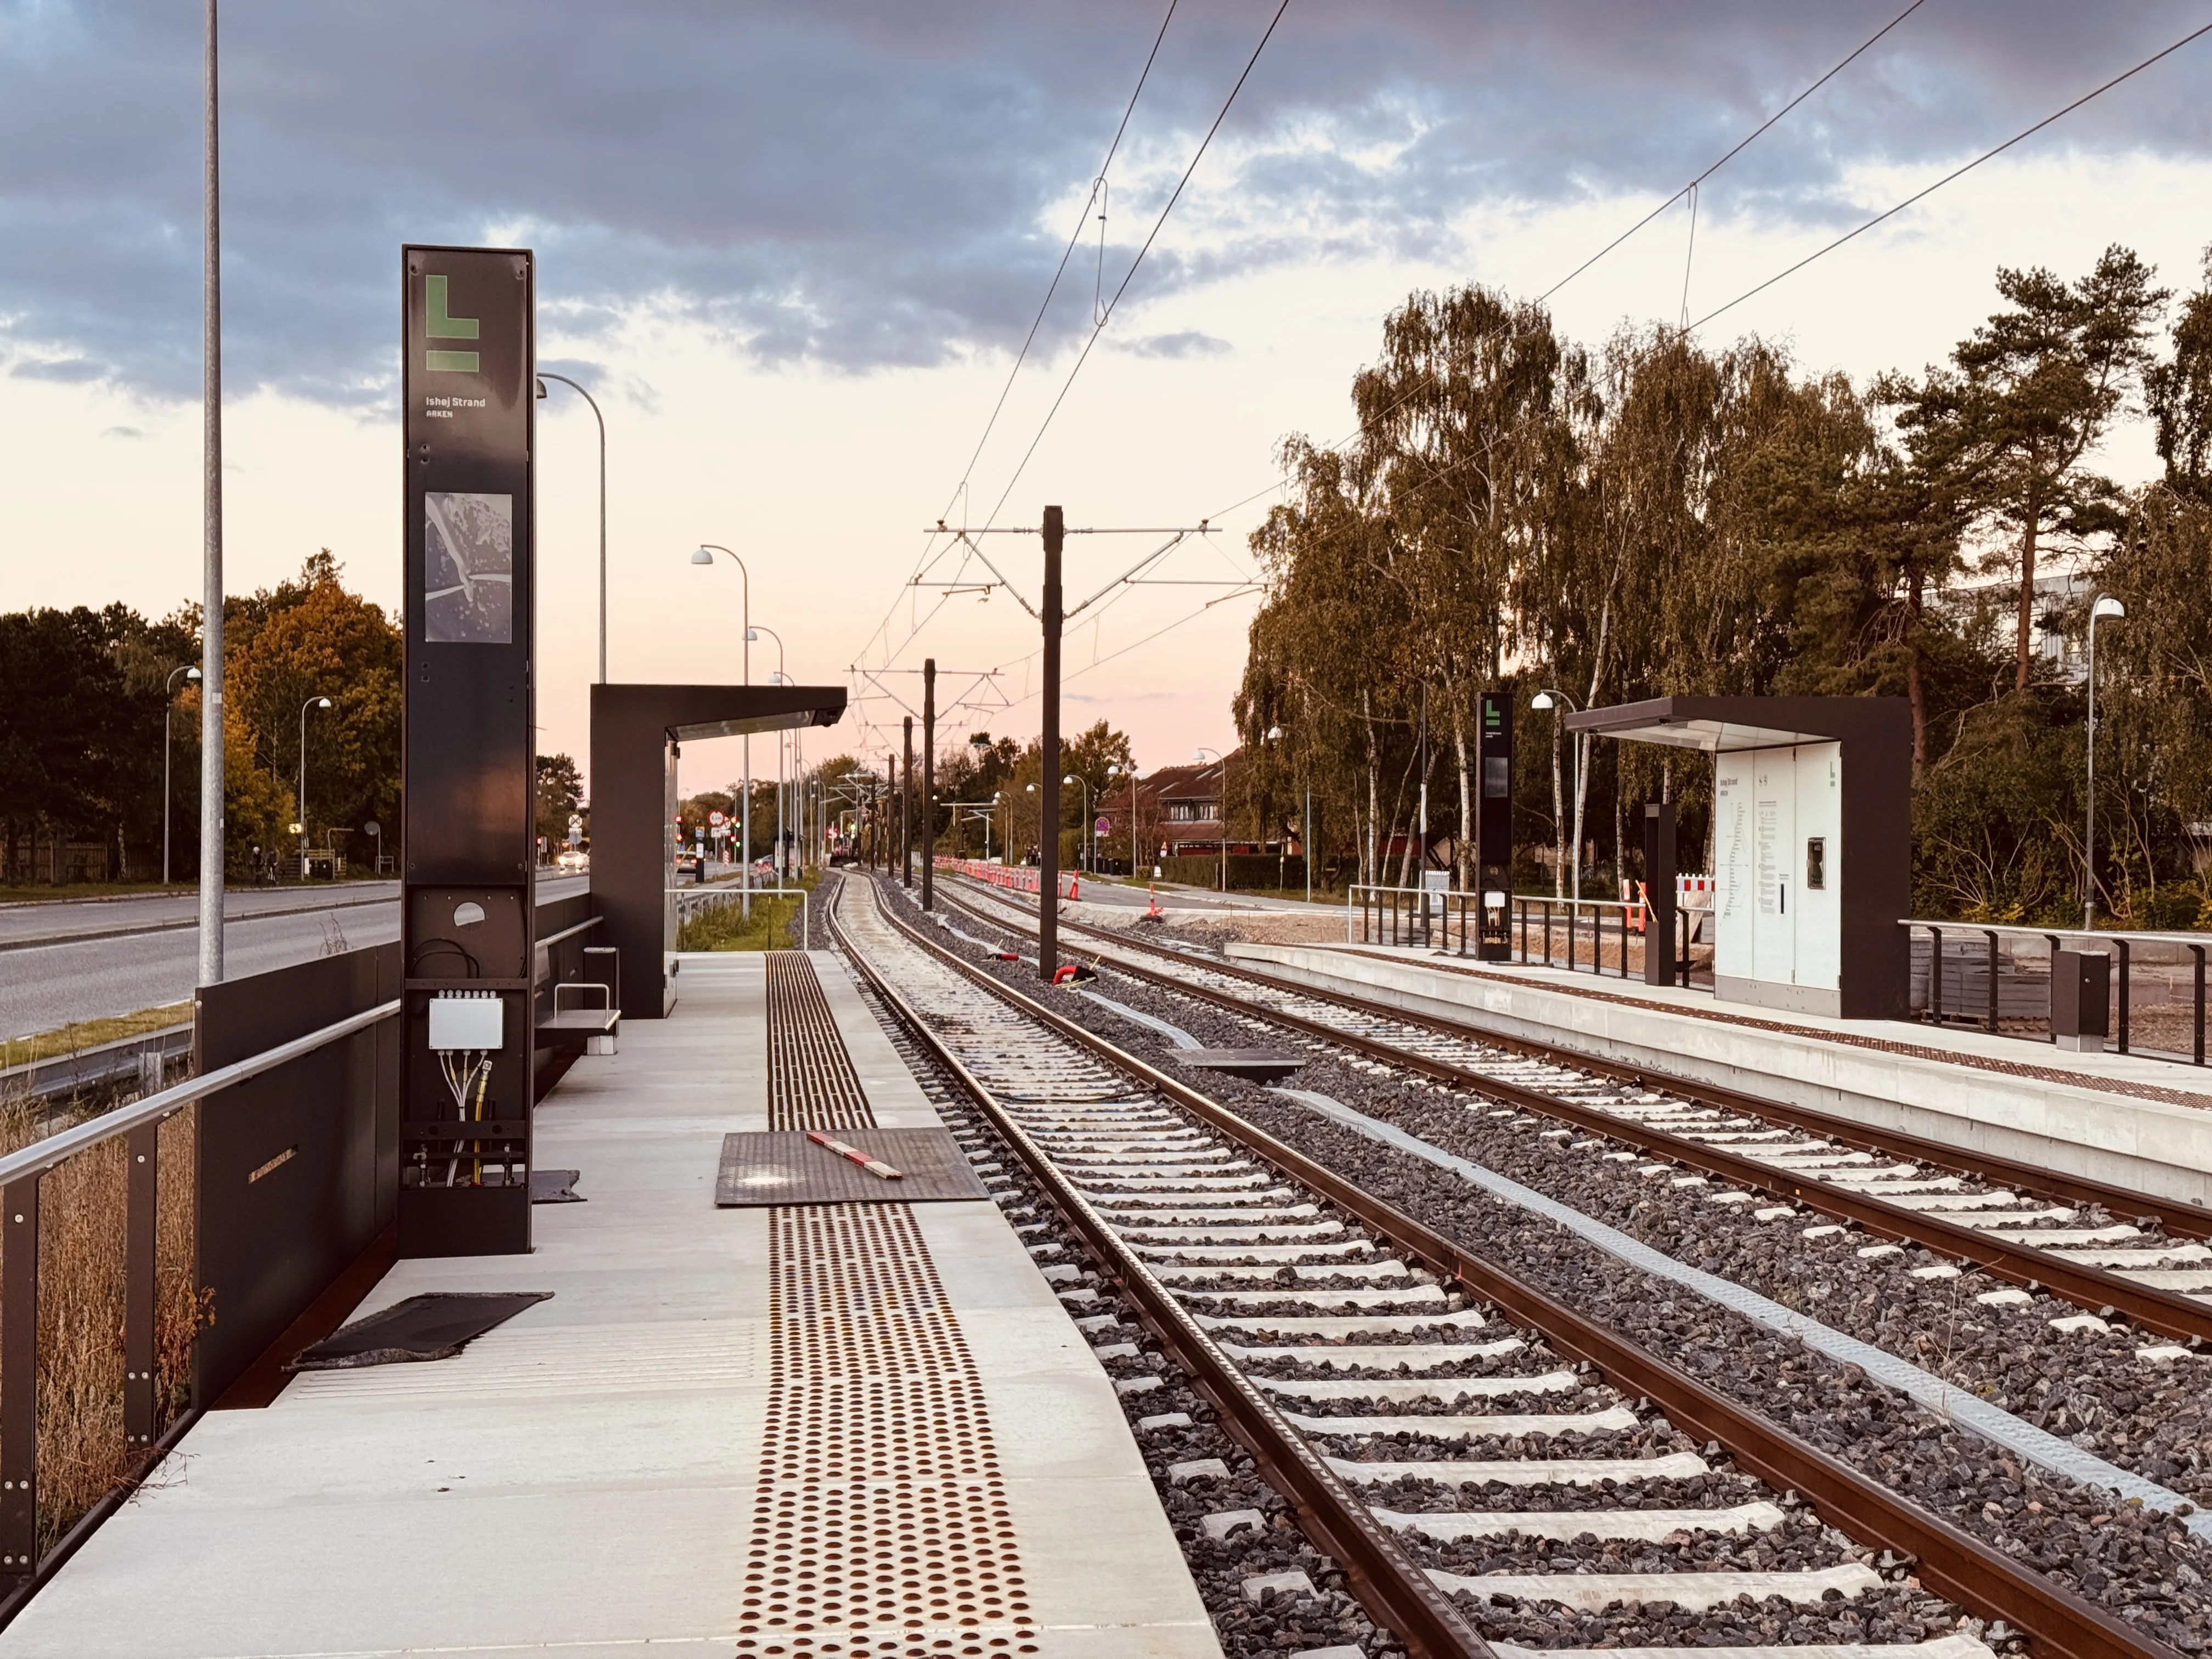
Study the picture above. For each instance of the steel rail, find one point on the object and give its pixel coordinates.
(1949, 1561)
(2165, 1312)
(1394, 1591)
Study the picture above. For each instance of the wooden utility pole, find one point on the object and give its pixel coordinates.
(906, 822)
(1049, 785)
(928, 781)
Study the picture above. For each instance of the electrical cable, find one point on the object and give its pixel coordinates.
(1741, 145)
(1957, 172)
(1075, 237)
(1129, 275)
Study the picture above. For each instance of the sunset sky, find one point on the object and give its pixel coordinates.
(794, 251)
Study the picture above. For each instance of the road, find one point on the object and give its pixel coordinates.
(89, 959)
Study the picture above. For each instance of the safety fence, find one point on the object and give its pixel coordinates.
(2000, 977)
(1560, 933)
(162, 1259)
(1014, 878)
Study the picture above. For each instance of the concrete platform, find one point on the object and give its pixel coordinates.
(2138, 1123)
(586, 1475)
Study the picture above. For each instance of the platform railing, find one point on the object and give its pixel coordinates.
(2133, 952)
(1538, 929)
(104, 1295)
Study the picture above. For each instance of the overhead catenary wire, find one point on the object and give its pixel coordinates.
(1956, 172)
(1742, 145)
(1129, 275)
(1689, 189)
(1074, 239)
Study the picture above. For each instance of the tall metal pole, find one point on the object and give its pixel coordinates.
(1305, 843)
(547, 374)
(928, 780)
(211, 846)
(1048, 796)
(168, 793)
(906, 820)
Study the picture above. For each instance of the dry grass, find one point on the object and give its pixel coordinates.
(83, 1034)
(82, 1212)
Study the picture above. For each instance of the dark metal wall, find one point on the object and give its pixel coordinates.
(634, 729)
(298, 1169)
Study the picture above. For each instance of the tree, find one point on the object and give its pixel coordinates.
(305, 639)
(560, 792)
(2179, 393)
(2028, 398)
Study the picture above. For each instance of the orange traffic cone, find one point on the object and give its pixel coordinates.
(1075, 886)
(1152, 894)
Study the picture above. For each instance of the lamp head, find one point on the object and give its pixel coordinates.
(701, 555)
(1114, 770)
(2107, 607)
(539, 384)
(1071, 778)
(752, 634)
(1542, 700)
(1197, 756)
(776, 677)
(322, 702)
(1029, 789)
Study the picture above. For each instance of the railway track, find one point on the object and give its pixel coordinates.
(1471, 1451)
(2014, 1223)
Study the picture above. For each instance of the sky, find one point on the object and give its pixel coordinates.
(795, 251)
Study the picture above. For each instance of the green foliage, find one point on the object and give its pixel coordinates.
(1654, 517)
(773, 925)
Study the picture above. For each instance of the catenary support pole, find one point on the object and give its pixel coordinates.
(1048, 783)
(906, 815)
(211, 679)
(928, 781)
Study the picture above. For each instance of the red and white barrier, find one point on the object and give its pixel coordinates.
(1014, 878)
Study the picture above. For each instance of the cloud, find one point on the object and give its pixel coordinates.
(131, 432)
(1187, 343)
(864, 186)
(65, 371)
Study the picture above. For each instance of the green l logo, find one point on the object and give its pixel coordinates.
(439, 323)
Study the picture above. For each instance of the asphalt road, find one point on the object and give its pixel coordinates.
(89, 959)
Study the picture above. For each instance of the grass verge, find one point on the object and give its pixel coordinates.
(773, 925)
(81, 1034)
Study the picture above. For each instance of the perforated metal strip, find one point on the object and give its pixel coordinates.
(880, 1523)
(811, 1081)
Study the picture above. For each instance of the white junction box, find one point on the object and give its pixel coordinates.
(468, 1019)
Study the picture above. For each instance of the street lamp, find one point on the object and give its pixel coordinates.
(1221, 812)
(704, 554)
(311, 703)
(168, 691)
(2104, 606)
(544, 375)
(775, 679)
(1087, 861)
(1551, 699)
(1275, 734)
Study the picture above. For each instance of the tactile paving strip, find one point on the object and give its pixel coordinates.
(880, 1522)
(811, 1081)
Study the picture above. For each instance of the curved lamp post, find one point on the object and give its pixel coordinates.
(1550, 699)
(311, 703)
(544, 375)
(1087, 835)
(775, 678)
(1198, 754)
(168, 691)
(704, 554)
(2106, 607)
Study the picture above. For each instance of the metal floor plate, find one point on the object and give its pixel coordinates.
(785, 1167)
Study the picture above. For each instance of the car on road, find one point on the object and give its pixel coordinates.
(573, 859)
